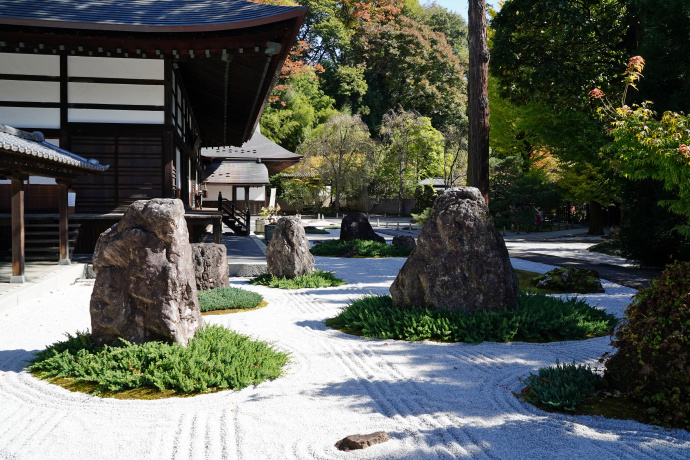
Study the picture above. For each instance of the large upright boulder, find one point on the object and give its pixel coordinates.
(145, 286)
(461, 261)
(287, 255)
(356, 226)
(210, 265)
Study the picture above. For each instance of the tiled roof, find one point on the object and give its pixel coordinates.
(258, 147)
(236, 173)
(34, 145)
(144, 13)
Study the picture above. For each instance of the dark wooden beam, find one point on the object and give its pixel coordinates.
(18, 269)
(63, 187)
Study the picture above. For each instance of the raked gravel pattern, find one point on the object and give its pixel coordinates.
(434, 400)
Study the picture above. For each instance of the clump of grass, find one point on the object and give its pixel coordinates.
(562, 386)
(315, 279)
(358, 248)
(228, 298)
(315, 230)
(215, 359)
(538, 318)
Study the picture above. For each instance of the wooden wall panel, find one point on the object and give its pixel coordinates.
(136, 171)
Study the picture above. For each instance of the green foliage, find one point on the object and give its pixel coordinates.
(338, 151)
(653, 347)
(646, 147)
(304, 193)
(226, 298)
(515, 193)
(646, 234)
(359, 248)
(413, 148)
(214, 359)
(300, 107)
(410, 65)
(423, 217)
(315, 279)
(549, 51)
(562, 386)
(580, 280)
(315, 230)
(424, 197)
(538, 317)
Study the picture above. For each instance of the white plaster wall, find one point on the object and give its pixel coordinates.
(257, 193)
(115, 116)
(106, 93)
(213, 189)
(29, 64)
(88, 66)
(30, 118)
(29, 91)
(38, 180)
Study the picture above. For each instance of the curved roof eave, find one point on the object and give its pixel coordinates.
(298, 12)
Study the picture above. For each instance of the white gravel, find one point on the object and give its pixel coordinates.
(434, 400)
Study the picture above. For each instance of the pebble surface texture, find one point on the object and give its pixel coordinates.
(356, 226)
(435, 400)
(145, 287)
(461, 261)
(287, 255)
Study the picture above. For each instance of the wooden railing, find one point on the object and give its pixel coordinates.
(233, 217)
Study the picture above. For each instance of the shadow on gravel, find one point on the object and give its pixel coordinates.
(15, 360)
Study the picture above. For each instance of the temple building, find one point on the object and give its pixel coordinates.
(141, 86)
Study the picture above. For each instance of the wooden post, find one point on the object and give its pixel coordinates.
(18, 269)
(246, 197)
(63, 187)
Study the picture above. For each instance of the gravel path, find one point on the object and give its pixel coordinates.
(434, 400)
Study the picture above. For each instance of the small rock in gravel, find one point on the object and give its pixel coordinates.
(361, 441)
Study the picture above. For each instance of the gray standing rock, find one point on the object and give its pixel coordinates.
(404, 241)
(461, 261)
(287, 255)
(356, 226)
(145, 287)
(210, 265)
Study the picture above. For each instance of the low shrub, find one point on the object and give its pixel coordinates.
(315, 279)
(538, 317)
(315, 231)
(580, 280)
(653, 348)
(361, 248)
(423, 216)
(228, 298)
(215, 358)
(562, 386)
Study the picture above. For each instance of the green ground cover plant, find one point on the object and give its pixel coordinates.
(562, 386)
(215, 359)
(315, 279)
(228, 298)
(358, 248)
(538, 318)
(315, 231)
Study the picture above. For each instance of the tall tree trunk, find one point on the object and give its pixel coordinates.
(596, 224)
(478, 92)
